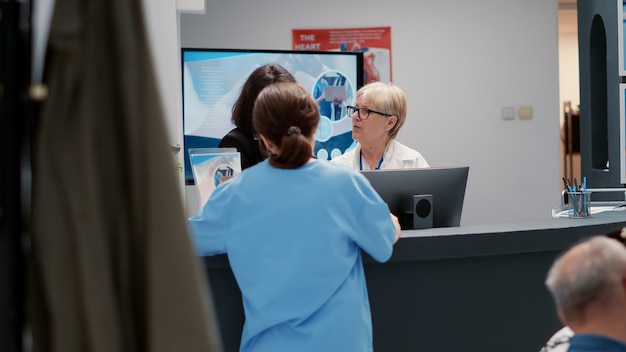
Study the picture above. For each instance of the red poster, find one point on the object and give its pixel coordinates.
(374, 42)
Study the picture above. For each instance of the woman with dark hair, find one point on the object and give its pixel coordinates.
(243, 137)
(296, 251)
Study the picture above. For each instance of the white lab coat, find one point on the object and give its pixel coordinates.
(397, 156)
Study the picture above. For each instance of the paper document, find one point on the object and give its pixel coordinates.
(335, 93)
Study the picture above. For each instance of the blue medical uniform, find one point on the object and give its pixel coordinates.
(293, 238)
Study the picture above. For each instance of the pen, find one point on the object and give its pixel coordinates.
(585, 193)
(567, 184)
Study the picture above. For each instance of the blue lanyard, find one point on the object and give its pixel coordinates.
(361, 161)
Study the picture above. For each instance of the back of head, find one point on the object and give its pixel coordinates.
(387, 98)
(588, 275)
(260, 78)
(287, 115)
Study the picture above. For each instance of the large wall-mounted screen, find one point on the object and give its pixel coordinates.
(212, 80)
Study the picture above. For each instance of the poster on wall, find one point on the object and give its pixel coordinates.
(622, 132)
(373, 42)
(621, 8)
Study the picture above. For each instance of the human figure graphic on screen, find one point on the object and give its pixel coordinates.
(243, 136)
(295, 254)
(329, 93)
(378, 115)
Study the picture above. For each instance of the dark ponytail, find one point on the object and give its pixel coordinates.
(287, 115)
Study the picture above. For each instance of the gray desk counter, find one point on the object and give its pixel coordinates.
(498, 239)
(473, 288)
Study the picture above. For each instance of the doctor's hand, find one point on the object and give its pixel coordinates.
(396, 223)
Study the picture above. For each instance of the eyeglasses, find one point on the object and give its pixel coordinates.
(363, 113)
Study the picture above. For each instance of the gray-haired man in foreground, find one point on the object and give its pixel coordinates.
(588, 283)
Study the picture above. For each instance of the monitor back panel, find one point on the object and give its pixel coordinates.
(446, 185)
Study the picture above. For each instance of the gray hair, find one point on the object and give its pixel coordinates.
(589, 273)
(387, 98)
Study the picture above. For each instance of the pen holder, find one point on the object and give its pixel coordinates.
(579, 204)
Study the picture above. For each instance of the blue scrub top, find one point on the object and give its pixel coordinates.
(293, 239)
(595, 343)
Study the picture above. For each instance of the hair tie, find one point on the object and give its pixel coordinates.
(292, 130)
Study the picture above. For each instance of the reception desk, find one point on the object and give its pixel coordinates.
(474, 288)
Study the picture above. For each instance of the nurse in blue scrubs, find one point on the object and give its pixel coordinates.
(293, 228)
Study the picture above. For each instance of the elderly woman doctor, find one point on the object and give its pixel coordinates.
(378, 115)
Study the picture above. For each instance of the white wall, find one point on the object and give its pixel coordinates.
(161, 20)
(459, 66)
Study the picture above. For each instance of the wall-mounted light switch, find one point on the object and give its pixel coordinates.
(525, 112)
(508, 113)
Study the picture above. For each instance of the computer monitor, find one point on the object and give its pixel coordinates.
(443, 187)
